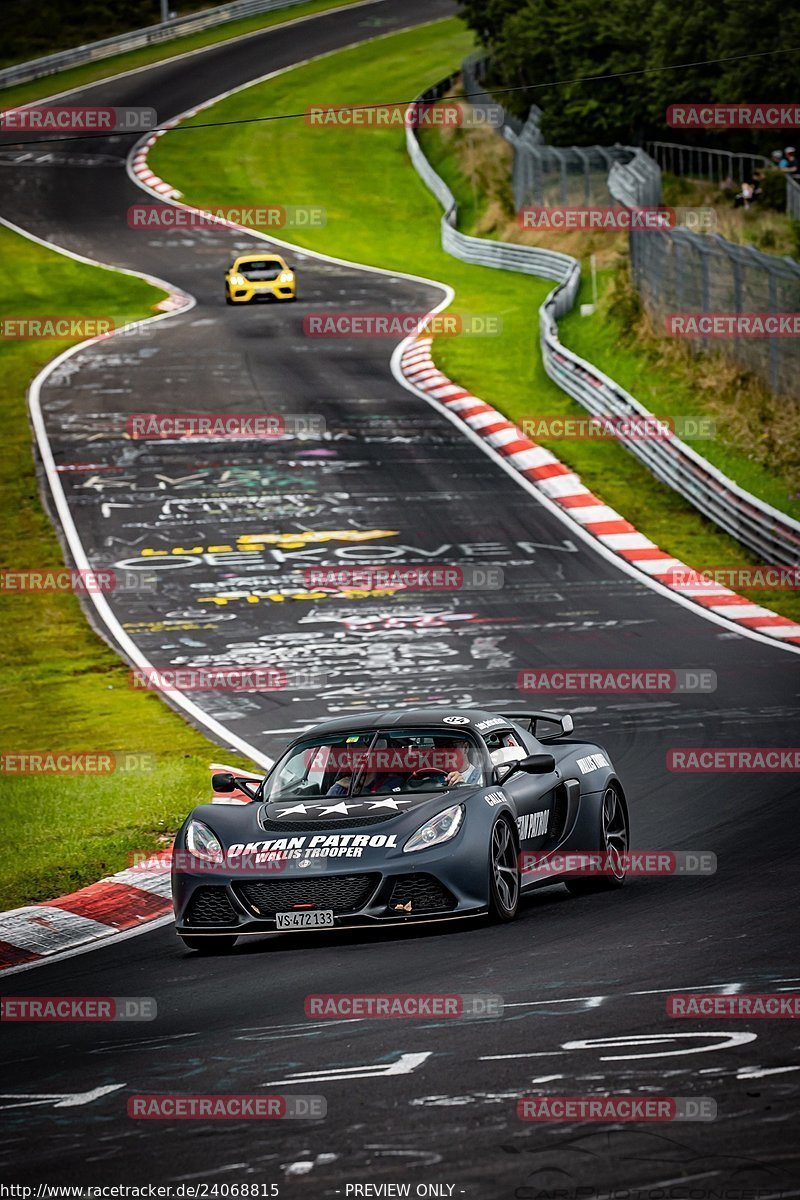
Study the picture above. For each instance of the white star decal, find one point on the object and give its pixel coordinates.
(298, 808)
(385, 804)
(334, 808)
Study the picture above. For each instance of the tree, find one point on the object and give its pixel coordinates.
(559, 43)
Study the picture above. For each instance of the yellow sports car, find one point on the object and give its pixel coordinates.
(259, 277)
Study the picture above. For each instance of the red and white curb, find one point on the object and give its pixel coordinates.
(141, 894)
(142, 171)
(562, 487)
(565, 489)
(138, 165)
(116, 904)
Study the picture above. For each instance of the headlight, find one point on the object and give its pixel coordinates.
(285, 277)
(202, 842)
(238, 280)
(439, 829)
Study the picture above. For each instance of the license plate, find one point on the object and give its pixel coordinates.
(314, 919)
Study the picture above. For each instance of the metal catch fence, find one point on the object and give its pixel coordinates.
(772, 535)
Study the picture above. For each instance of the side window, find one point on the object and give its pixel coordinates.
(504, 746)
(318, 765)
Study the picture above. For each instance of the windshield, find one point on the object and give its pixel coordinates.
(376, 763)
(267, 268)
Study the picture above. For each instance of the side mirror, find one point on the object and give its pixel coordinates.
(223, 782)
(532, 764)
(537, 764)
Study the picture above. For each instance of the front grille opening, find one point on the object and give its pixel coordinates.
(211, 906)
(424, 893)
(342, 893)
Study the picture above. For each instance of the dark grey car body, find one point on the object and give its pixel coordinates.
(366, 877)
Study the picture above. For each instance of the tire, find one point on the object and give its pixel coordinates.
(504, 880)
(219, 944)
(613, 838)
(228, 299)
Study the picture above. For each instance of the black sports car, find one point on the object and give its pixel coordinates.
(398, 816)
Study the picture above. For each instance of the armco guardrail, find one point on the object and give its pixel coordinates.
(772, 535)
(38, 68)
(479, 251)
(636, 183)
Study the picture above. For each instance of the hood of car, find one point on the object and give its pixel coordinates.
(326, 814)
(332, 811)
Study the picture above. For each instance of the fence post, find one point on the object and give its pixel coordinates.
(678, 269)
(737, 282)
(774, 347)
(702, 252)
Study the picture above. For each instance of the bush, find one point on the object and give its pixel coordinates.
(795, 227)
(624, 303)
(773, 191)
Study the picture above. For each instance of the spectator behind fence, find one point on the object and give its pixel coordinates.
(788, 163)
(746, 196)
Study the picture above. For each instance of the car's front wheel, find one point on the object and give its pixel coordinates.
(614, 838)
(503, 872)
(213, 944)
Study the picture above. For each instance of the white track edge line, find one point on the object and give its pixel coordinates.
(85, 947)
(161, 62)
(55, 481)
(590, 539)
(574, 526)
(526, 484)
(104, 611)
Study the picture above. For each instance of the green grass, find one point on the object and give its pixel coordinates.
(62, 688)
(386, 217)
(75, 77)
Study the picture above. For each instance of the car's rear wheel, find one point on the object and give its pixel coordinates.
(503, 872)
(213, 944)
(614, 843)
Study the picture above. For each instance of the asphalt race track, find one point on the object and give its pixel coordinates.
(584, 981)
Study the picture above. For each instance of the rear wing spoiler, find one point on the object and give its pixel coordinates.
(530, 721)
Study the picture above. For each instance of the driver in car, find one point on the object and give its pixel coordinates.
(453, 750)
(460, 749)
